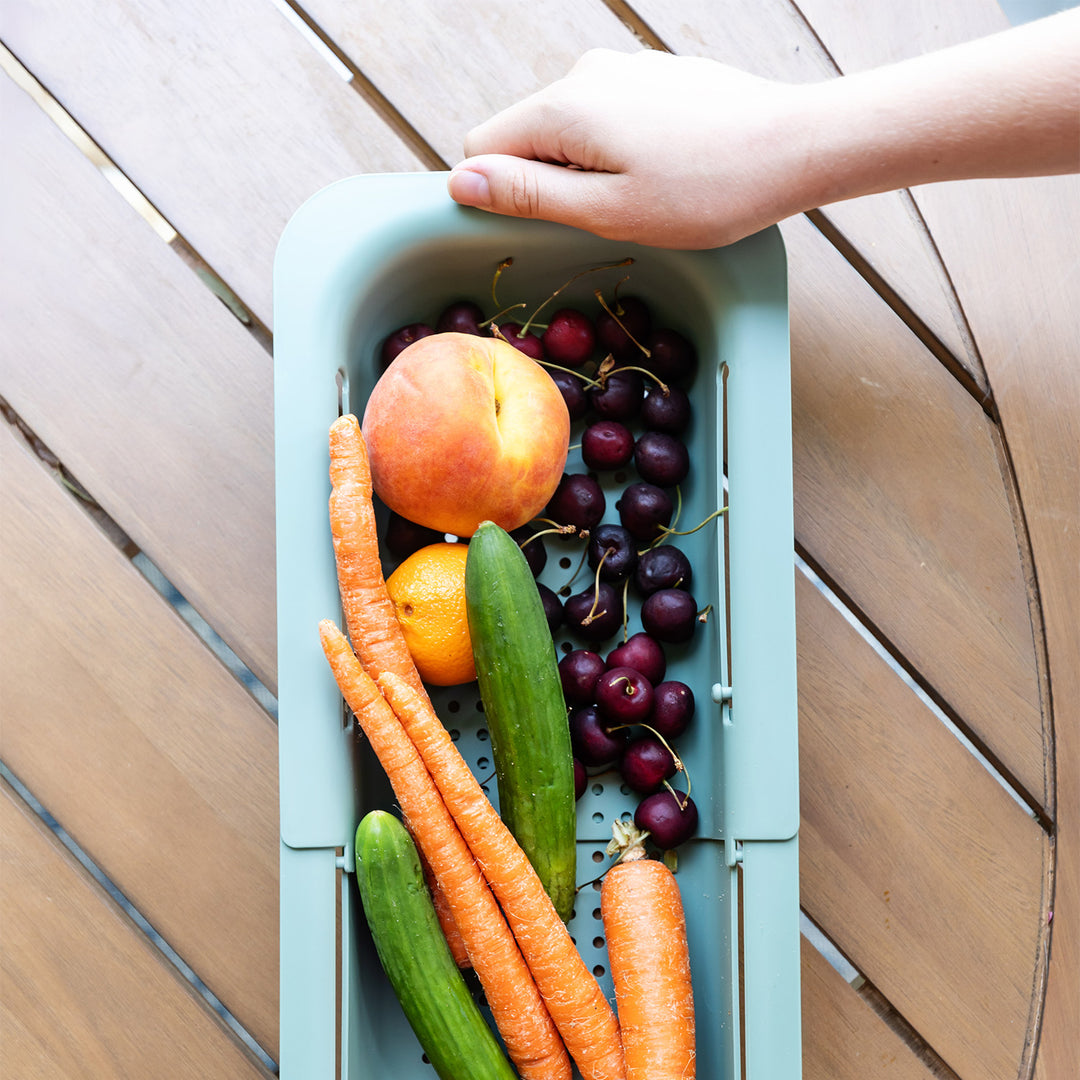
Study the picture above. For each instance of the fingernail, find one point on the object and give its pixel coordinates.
(469, 188)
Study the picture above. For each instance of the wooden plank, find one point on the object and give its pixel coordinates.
(913, 859)
(899, 498)
(110, 344)
(842, 1037)
(1026, 323)
(83, 992)
(445, 82)
(148, 752)
(238, 119)
(772, 39)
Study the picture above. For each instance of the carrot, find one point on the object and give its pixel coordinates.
(443, 913)
(645, 930)
(369, 612)
(573, 996)
(531, 1039)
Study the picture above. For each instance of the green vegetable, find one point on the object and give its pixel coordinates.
(415, 956)
(517, 669)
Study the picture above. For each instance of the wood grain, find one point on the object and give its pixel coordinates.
(913, 859)
(899, 497)
(111, 344)
(83, 993)
(132, 734)
(843, 1038)
(226, 141)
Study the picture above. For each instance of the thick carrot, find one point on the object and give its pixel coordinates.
(645, 930)
(532, 1042)
(369, 612)
(573, 996)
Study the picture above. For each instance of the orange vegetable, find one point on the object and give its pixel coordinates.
(532, 1042)
(645, 930)
(574, 999)
(370, 620)
(443, 913)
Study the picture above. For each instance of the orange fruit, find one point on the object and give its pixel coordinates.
(428, 591)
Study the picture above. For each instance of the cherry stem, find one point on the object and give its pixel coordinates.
(555, 530)
(587, 379)
(681, 798)
(504, 265)
(686, 532)
(591, 270)
(593, 613)
(604, 305)
(607, 369)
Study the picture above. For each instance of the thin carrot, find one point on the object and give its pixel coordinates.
(369, 612)
(443, 913)
(582, 1014)
(532, 1042)
(645, 929)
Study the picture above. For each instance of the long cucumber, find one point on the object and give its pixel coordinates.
(417, 961)
(518, 674)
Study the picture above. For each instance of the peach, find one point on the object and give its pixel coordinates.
(462, 429)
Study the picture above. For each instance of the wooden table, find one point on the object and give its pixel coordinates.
(153, 153)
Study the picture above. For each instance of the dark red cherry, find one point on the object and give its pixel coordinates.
(673, 708)
(669, 615)
(397, 342)
(528, 342)
(594, 742)
(642, 653)
(579, 501)
(670, 819)
(461, 317)
(629, 320)
(668, 412)
(624, 696)
(569, 338)
(646, 763)
(607, 445)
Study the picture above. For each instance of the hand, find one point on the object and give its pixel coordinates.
(677, 152)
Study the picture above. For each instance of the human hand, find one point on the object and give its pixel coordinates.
(678, 152)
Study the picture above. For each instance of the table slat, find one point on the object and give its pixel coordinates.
(913, 859)
(843, 1038)
(226, 141)
(140, 380)
(83, 993)
(899, 497)
(130, 732)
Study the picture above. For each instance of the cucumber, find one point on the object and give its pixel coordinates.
(417, 961)
(517, 669)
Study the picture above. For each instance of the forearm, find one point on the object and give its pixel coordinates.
(1005, 105)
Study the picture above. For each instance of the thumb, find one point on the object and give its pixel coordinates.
(522, 188)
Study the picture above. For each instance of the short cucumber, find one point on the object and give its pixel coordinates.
(415, 956)
(517, 669)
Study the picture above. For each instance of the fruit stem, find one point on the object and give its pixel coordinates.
(604, 305)
(592, 269)
(504, 265)
(593, 613)
(587, 379)
(686, 532)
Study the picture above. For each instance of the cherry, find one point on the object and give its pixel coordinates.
(668, 412)
(624, 696)
(578, 672)
(581, 779)
(646, 763)
(553, 608)
(645, 510)
(579, 501)
(403, 537)
(673, 708)
(573, 392)
(619, 397)
(527, 342)
(606, 445)
(663, 567)
(397, 342)
(631, 314)
(592, 739)
(569, 338)
(670, 819)
(613, 550)
(461, 317)
(661, 459)
(534, 550)
(642, 653)
(672, 358)
(596, 613)
(669, 615)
